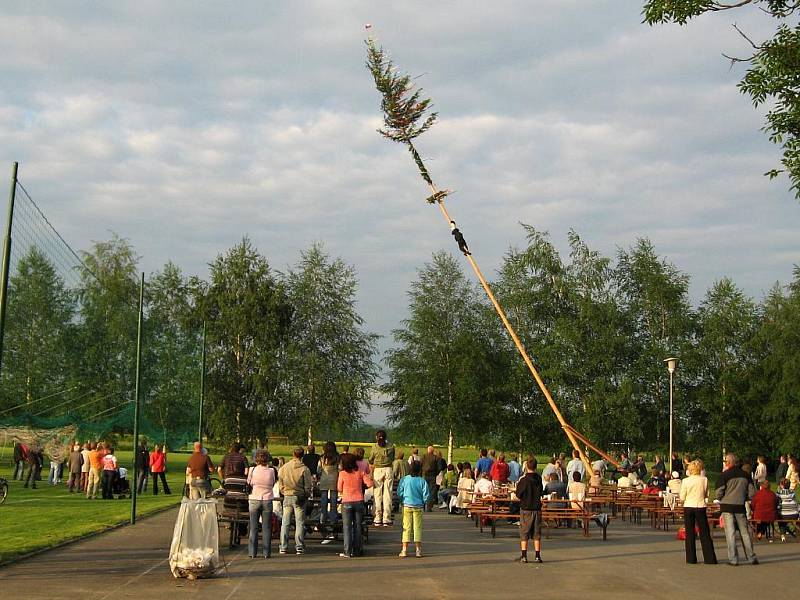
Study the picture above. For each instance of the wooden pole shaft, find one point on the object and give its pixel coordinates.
(518, 343)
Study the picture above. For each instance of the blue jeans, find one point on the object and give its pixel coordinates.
(263, 509)
(327, 506)
(732, 522)
(352, 517)
(290, 507)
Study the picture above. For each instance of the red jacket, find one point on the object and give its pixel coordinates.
(765, 506)
(158, 462)
(499, 471)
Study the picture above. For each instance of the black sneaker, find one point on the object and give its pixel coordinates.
(300, 551)
(521, 559)
(538, 559)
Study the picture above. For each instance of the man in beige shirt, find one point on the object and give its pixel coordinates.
(295, 483)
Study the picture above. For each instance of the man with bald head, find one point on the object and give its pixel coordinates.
(430, 469)
(199, 468)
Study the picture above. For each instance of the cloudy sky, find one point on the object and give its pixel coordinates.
(183, 126)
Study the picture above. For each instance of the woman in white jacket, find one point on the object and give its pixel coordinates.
(693, 493)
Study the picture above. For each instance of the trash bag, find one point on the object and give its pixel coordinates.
(194, 551)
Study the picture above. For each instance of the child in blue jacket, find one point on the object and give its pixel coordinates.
(412, 492)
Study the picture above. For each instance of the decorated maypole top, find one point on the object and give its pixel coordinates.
(407, 114)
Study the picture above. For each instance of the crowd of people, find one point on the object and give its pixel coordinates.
(348, 482)
(92, 468)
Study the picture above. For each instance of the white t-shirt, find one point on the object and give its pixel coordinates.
(484, 486)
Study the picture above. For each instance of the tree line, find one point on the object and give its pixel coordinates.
(598, 330)
(286, 352)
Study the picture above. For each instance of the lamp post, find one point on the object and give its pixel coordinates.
(672, 363)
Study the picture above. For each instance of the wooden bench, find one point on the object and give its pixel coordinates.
(553, 516)
(754, 525)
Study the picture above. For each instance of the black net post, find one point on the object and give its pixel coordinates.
(137, 387)
(7, 258)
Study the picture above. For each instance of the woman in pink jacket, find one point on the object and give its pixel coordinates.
(351, 485)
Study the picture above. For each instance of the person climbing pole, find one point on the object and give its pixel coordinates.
(462, 243)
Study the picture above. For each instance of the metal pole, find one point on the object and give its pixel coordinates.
(137, 389)
(202, 385)
(7, 258)
(670, 419)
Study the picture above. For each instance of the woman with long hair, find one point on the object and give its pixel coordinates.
(328, 473)
(351, 484)
(261, 478)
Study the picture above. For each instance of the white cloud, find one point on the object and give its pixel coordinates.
(185, 126)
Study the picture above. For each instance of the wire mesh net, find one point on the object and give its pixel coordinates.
(69, 341)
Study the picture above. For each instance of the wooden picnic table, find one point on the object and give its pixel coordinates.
(555, 511)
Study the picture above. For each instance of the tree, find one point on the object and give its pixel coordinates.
(654, 299)
(330, 357)
(172, 355)
(773, 77)
(40, 333)
(595, 334)
(107, 336)
(531, 286)
(727, 321)
(248, 317)
(774, 378)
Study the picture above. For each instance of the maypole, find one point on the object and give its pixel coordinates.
(406, 116)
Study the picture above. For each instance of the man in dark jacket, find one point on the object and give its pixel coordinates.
(143, 467)
(430, 469)
(35, 460)
(734, 488)
(529, 492)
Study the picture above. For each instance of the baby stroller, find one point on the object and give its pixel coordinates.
(235, 509)
(120, 486)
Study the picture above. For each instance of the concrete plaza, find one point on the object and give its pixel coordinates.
(460, 562)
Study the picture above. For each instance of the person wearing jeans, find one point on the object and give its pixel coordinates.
(328, 473)
(351, 485)
(381, 458)
(295, 486)
(262, 481)
(734, 489)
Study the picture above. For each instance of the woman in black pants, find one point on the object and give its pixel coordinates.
(694, 490)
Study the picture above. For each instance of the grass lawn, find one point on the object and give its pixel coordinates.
(32, 519)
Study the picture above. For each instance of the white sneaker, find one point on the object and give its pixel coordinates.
(443, 505)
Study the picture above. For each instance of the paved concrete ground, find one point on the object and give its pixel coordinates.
(460, 562)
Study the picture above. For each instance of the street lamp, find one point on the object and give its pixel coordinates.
(672, 363)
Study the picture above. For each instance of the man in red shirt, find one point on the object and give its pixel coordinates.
(500, 469)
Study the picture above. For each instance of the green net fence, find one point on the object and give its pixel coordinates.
(69, 342)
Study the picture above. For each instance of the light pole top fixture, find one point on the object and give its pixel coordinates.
(672, 363)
